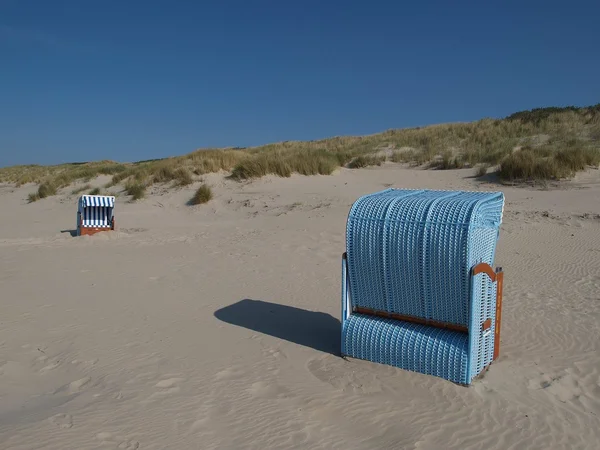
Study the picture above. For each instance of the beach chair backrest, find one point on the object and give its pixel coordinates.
(411, 252)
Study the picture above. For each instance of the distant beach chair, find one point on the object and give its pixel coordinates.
(95, 213)
(418, 288)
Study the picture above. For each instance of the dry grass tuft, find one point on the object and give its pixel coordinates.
(136, 190)
(183, 177)
(482, 170)
(203, 195)
(44, 190)
(284, 163)
(365, 161)
(551, 162)
(448, 161)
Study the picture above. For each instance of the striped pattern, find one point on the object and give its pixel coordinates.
(411, 252)
(96, 216)
(97, 200)
(96, 211)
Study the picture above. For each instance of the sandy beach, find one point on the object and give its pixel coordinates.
(218, 326)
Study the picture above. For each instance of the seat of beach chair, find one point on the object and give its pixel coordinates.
(411, 346)
(419, 292)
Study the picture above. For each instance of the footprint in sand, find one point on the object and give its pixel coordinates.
(85, 364)
(50, 367)
(200, 425)
(104, 436)
(564, 387)
(205, 423)
(61, 420)
(229, 373)
(74, 387)
(337, 373)
(129, 445)
(166, 387)
(108, 438)
(269, 390)
(170, 384)
(274, 353)
(326, 371)
(141, 377)
(77, 385)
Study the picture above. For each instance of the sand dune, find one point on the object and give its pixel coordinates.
(217, 326)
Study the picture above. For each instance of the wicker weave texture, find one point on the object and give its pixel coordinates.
(418, 348)
(411, 251)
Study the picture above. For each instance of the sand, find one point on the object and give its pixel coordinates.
(217, 326)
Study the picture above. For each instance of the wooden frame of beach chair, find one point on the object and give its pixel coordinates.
(498, 278)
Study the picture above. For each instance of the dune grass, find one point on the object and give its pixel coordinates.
(365, 161)
(168, 173)
(136, 189)
(482, 170)
(539, 144)
(310, 161)
(203, 195)
(548, 163)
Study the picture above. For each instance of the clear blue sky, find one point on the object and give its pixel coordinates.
(129, 80)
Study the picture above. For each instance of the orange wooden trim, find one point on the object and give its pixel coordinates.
(499, 286)
(484, 268)
(486, 325)
(88, 231)
(433, 323)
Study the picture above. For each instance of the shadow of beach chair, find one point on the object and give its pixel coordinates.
(418, 288)
(95, 213)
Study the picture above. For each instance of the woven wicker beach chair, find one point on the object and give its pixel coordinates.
(418, 288)
(95, 213)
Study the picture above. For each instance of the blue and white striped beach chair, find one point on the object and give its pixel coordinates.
(418, 288)
(95, 213)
